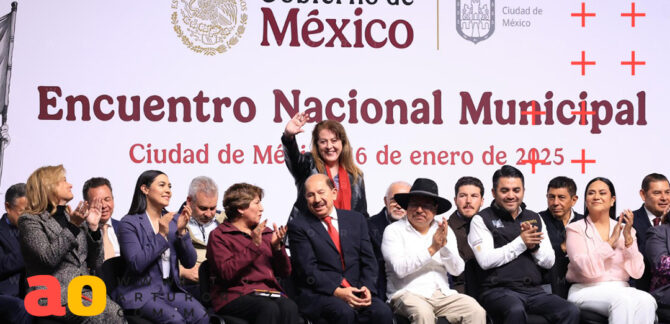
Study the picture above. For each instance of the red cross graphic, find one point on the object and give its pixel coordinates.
(632, 14)
(583, 14)
(533, 113)
(583, 161)
(633, 63)
(583, 63)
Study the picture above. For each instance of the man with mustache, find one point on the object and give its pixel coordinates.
(655, 194)
(334, 267)
(469, 198)
(561, 197)
(419, 251)
(509, 244)
(377, 224)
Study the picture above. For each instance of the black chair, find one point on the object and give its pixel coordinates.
(111, 273)
(663, 313)
(206, 299)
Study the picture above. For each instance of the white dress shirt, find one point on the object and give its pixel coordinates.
(333, 220)
(202, 231)
(165, 256)
(409, 265)
(481, 242)
(111, 235)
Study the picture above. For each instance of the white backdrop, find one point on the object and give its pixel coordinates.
(130, 48)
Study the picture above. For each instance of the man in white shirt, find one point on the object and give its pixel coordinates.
(101, 188)
(419, 252)
(510, 245)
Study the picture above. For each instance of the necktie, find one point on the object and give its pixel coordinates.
(335, 236)
(657, 220)
(106, 243)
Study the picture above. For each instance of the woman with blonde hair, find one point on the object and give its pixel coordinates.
(331, 154)
(59, 242)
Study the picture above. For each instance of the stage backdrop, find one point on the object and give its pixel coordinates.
(428, 88)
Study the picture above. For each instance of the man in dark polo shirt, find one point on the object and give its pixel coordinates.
(510, 245)
(561, 198)
(469, 197)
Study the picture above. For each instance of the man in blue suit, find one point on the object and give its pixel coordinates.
(12, 267)
(101, 188)
(334, 266)
(655, 193)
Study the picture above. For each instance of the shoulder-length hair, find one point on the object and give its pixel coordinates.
(139, 202)
(612, 191)
(41, 189)
(346, 159)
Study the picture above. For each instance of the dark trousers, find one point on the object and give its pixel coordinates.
(262, 310)
(512, 306)
(13, 310)
(337, 311)
(169, 306)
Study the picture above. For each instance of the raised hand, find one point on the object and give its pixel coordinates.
(530, 235)
(257, 233)
(164, 224)
(278, 235)
(439, 238)
(183, 219)
(78, 215)
(627, 215)
(616, 232)
(294, 126)
(93, 214)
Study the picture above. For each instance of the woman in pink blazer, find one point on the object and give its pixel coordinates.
(603, 256)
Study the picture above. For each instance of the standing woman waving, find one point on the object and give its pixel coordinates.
(151, 241)
(331, 154)
(603, 256)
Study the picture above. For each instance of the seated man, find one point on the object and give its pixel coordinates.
(378, 223)
(419, 251)
(202, 198)
(12, 267)
(509, 245)
(561, 197)
(333, 264)
(469, 198)
(101, 188)
(655, 193)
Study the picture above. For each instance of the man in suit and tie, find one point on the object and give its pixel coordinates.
(561, 198)
(377, 224)
(101, 188)
(12, 267)
(655, 193)
(334, 266)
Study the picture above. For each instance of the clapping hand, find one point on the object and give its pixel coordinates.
(530, 235)
(278, 237)
(183, 219)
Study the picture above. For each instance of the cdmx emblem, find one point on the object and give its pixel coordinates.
(209, 27)
(475, 19)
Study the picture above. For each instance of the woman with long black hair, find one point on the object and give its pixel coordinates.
(603, 256)
(151, 242)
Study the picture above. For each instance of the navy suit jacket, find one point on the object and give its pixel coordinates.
(376, 225)
(141, 249)
(115, 225)
(641, 224)
(11, 260)
(317, 268)
(658, 246)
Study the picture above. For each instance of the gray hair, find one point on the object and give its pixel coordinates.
(202, 184)
(388, 190)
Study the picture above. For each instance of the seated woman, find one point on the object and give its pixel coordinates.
(602, 262)
(151, 241)
(243, 256)
(331, 154)
(62, 243)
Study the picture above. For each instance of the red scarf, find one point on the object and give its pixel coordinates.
(343, 200)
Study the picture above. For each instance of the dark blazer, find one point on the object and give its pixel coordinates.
(115, 225)
(301, 166)
(317, 268)
(11, 260)
(556, 231)
(658, 246)
(141, 249)
(641, 224)
(376, 226)
(51, 249)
